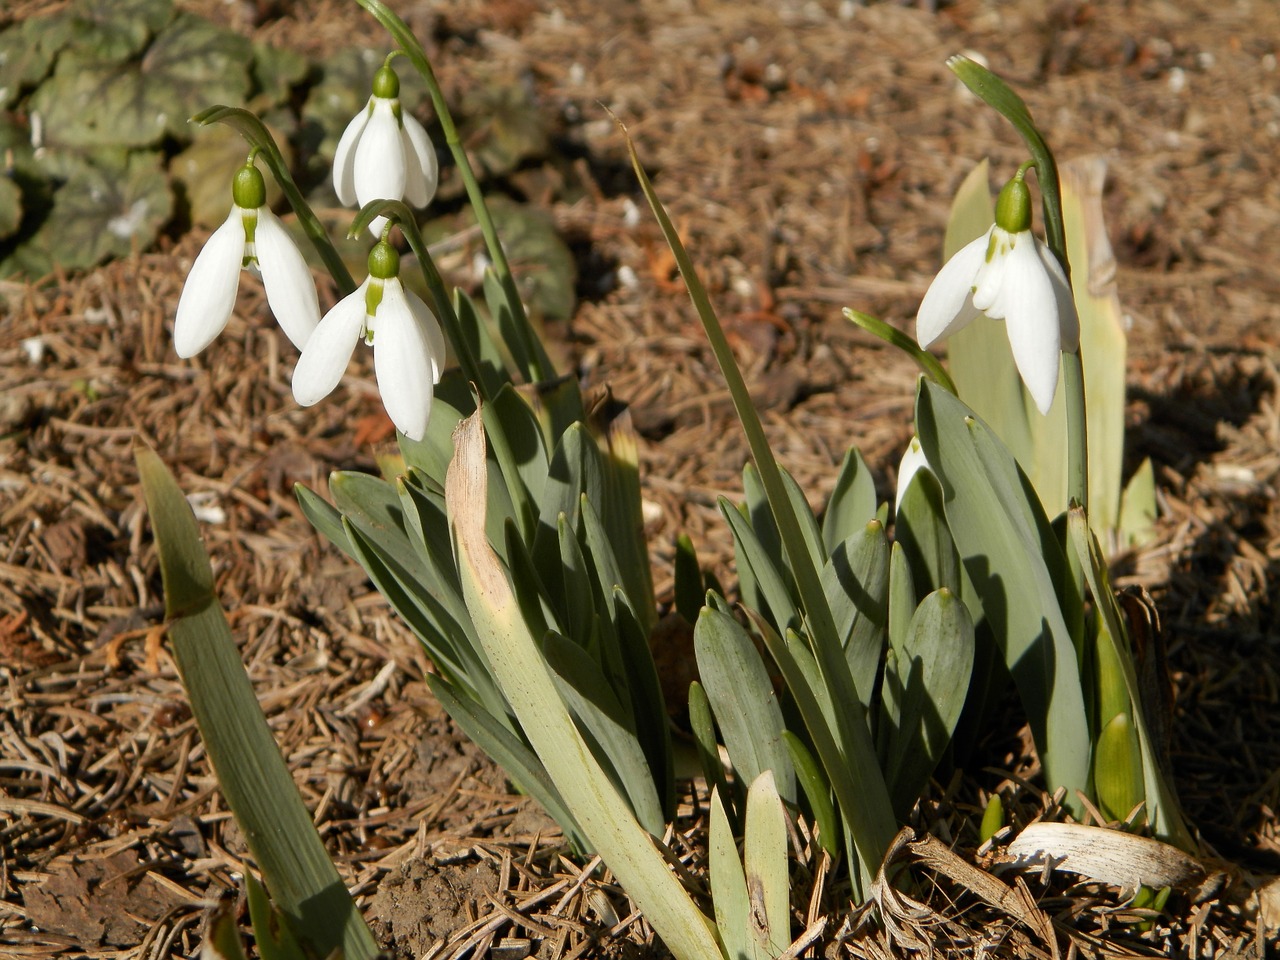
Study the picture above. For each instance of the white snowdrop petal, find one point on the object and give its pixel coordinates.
(990, 275)
(209, 295)
(402, 359)
(1068, 319)
(328, 351)
(947, 305)
(291, 292)
(435, 335)
(1031, 315)
(1024, 289)
(379, 165)
(422, 170)
(344, 158)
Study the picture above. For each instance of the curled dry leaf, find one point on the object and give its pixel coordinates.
(1105, 855)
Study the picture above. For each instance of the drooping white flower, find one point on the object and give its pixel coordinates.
(1008, 274)
(252, 237)
(408, 345)
(384, 153)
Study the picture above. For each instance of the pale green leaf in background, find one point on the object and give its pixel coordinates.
(1103, 345)
(111, 204)
(91, 102)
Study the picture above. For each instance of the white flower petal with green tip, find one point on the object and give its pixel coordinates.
(344, 157)
(328, 351)
(291, 292)
(1012, 277)
(422, 169)
(948, 304)
(404, 363)
(209, 294)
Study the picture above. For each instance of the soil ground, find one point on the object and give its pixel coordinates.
(808, 151)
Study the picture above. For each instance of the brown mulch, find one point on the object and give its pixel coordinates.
(807, 152)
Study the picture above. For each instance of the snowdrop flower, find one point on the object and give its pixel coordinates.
(252, 237)
(408, 349)
(1010, 275)
(384, 153)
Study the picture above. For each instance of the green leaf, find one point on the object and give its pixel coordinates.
(742, 697)
(606, 726)
(870, 816)
(373, 507)
(728, 887)
(519, 427)
(503, 127)
(277, 71)
(516, 759)
(620, 512)
(1103, 343)
(1162, 805)
(818, 792)
(575, 469)
(932, 672)
(271, 933)
(838, 748)
(252, 775)
(902, 600)
(526, 680)
(10, 207)
(704, 735)
(992, 818)
(542, 264)
(1138, 507)
(27, 51)
(111, 204)
(1018, 569)
(92, 102)
(766, 589)
(920, 527)
(856, 581)
(853, 501)
(1117, 768)
(764, 860)
(115, 29)
(689, 586)
(648, 704)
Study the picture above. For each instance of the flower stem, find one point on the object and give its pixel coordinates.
(539, 364)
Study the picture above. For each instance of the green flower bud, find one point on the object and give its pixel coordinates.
(384, 261)
(248, 189)
(1013, 206)
(386, 83)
